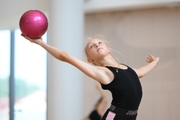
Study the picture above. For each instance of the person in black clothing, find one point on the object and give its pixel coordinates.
(121, 80)
(126, 91)
(99, 107)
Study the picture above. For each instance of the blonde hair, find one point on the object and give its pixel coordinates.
(105, 40)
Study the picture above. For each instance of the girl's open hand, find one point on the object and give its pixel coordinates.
(151, 58)
(37, 40)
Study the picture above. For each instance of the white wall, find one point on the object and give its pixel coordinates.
(11, 10)
(94, 6)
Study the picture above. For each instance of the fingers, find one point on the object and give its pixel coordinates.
(25, 36)
(151, 58)
(31, 39)
(22, 34)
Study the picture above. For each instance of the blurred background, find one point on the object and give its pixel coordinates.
(33, 85)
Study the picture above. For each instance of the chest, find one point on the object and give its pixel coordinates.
(123, 79)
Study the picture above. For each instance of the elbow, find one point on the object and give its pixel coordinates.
(62, 56)
(140, 73)
(141, 76)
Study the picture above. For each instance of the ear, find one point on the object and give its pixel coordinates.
(109, 50)
(90, 60)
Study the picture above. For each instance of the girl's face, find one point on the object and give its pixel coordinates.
(96, 49)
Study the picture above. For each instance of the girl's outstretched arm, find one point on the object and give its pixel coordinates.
(152, 63)
(96, 73)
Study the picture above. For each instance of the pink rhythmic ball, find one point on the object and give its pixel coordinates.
(33, 23)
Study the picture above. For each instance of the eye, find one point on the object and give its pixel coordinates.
(99, 42)
(91, 46)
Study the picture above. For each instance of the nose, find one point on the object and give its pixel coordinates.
(96, 44)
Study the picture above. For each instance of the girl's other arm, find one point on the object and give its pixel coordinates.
(152, 63)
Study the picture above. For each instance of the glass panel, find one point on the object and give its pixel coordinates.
(4, 73)
(30, 79)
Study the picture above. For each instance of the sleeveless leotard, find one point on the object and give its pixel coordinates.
(125, 88)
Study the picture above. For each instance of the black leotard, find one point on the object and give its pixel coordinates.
(125, 88)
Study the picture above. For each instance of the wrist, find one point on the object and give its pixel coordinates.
(155, 62)
(40, 42)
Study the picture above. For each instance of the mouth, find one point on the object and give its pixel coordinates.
(98, 49)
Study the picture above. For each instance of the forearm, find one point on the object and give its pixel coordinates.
(147, 68)
(57, 53)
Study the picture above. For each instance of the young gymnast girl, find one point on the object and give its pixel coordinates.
(120, 79)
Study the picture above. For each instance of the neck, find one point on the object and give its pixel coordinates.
(108, 61)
